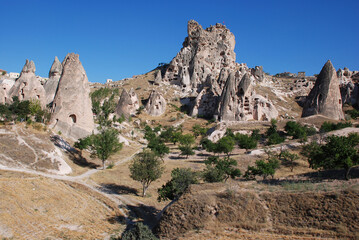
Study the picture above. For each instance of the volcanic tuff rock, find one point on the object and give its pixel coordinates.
(5, 86)
(127, 104)
(349, 89)
(156, 104)
(325, 98)
(158, 78)
(53, 82)
(27, 87)
(204, 52)
(72, 108)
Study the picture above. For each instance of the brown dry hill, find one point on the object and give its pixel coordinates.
(216, 208)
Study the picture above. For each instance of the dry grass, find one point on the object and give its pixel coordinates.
(37, 208)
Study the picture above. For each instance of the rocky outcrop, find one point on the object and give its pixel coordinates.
(27, 87)
(156, 104)
(204, 52)
(72, 108)
(348, 81)
(325, 98)
(52, 83)
(127, 104)
(258, 73)
(239, 102)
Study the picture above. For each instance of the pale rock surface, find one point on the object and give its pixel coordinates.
(156, 104)
(52, 83)
(204, 52)
(127, 104)
(325, 98)
(27, 87)
(5, 86)
(158, 78)
(72, 107)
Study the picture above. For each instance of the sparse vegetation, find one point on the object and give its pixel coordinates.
(138, 232)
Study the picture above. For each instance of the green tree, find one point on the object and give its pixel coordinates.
(218, 170)
(101, 145)
(186, 150)
(146, 168)
(338, 153)
(273, 135)
(180, 181)
(225, 145)
(187, 139)
(158, 147)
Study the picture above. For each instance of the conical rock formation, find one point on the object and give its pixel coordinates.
(27, 87)
(53, 82)
(72, 108)
(127, 104)
(228, 103)
(158, 78)
(325, 98)
(156, 104)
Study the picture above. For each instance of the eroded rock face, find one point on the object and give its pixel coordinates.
(156, 104)
(5, 86)
(127, 104)
(325, 98)
(239, 102)
(204, 52)
(27, 87)
(72, 107)
(348, 81)
(53, 82)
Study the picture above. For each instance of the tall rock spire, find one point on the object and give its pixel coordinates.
(325, 98)
(72, 108)
(53, 82)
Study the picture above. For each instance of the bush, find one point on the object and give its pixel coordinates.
(354, 114)
(328, 127)
(181, 179)
(297, 131)
(273, 135)
(138, 232)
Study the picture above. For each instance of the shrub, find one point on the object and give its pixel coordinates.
(246, 142)
(354, 114)
(273, 135)
(328, 127)
(181, 179)
(138, 232)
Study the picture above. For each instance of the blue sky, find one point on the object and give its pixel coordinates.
(119, 39)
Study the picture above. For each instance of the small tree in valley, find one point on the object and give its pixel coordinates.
(146, 168)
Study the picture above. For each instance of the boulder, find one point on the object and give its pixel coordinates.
(52, 83)
(127, 104)
(156, 104)
(72, 107)
(258, 73)
(325, 98)
(27, 87)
